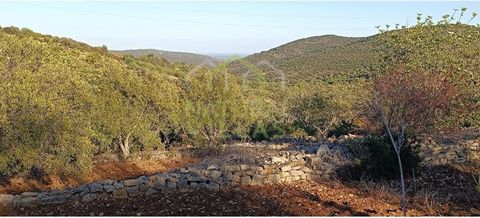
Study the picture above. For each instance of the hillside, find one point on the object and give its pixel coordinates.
(171, 56)
(325, 58)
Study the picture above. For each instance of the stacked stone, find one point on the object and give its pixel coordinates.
(288, 166)
(434, 153)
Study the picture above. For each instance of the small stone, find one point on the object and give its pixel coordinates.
(95, 187)
(245, 180)
(324, 149)
(244, 167)
(231, 168)
(182, 186)
(57, 199)
(286, 168)
(118, 185)
(132, 182)
(78, 189)
(197, 179)
(133, 191)
(171, 186)
(109, 188)
(257, 179)
(150, 191)
(30, 194)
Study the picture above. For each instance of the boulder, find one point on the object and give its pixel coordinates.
(78, 189)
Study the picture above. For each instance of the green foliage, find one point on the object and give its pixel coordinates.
(63, 101)
(448, 46)
(214, 106)
(261, 132)
(320, 107)
(375, 158)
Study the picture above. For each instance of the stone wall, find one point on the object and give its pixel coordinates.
(285, 167)
(453, 153)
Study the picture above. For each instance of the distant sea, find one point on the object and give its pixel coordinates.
(226, 56)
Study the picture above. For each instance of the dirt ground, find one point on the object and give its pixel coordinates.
(113, 170)
(300, 199)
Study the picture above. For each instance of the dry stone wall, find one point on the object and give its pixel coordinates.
(284, 167)
(457, 153)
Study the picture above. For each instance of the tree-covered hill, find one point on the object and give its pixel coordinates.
(326, 58)
(171, 56)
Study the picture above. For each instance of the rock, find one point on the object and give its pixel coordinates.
(118, 185)
(257, 179)
(25, 201)
(244, 167)
(277, 160)
(57, 199)
(133, 191)
(120, 193)
(193, 185)
(273, 178)
(323, 149)
(29, 194)
(314, 162)
(109, 188)
(211, 168)
(171, 186)
(227, 176)
(245, 180)
(214, 174)
(95, 187)
(213, 186)
(236, 178)
(297, 173)
(231, 168)
(286, 168)
(202, 185)
(182, 185)
(197, 179)
(195, 173)
(150, 191)
(132, 182)
(107, 182)
(76, 190)
(6, 199)
(89, 197)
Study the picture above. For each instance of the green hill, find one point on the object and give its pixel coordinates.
(171, 56)
(326, 58)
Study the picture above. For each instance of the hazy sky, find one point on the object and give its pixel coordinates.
(209, 26)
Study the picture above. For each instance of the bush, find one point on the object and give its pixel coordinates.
(375, 158)
(261, 132)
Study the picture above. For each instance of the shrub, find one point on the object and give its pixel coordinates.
(375, 158)
(261, 132)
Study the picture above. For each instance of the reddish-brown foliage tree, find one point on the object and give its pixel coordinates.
(405, 100)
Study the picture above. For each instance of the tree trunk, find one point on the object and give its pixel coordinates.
(124, 146)
(403, 200)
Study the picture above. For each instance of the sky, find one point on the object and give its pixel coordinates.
(212, 27)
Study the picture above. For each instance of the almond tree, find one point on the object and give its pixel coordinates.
(411, 100)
